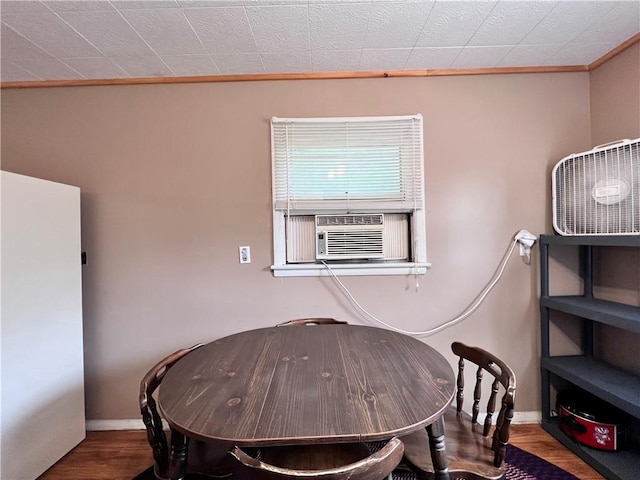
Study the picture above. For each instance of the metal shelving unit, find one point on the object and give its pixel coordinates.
(613, 385)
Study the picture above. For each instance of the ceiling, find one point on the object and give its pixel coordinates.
(91, 39)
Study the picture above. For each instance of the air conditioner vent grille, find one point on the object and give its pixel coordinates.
(360, 243)
(336, 220)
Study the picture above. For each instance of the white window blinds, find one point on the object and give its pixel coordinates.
(350, 164)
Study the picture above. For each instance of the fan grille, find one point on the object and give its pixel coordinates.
(598, 192)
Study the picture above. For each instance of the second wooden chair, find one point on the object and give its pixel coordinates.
(319, 462)
(472, 450)
(203, 459)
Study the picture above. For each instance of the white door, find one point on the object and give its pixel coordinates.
(42, 401)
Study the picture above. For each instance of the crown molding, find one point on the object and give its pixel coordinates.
(324, 75)
(290, 76)
(619, 49)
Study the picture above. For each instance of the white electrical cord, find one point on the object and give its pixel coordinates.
(468, 311)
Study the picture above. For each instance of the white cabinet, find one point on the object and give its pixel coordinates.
(42, 375)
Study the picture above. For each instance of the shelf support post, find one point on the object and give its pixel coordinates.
(587, 281)
(544, 330)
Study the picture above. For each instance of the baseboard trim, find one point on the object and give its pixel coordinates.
(104, 425)
(136, 424)
(526, 417)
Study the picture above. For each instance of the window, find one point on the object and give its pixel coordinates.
(347, 182)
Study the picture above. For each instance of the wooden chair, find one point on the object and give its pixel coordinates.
(473, 452)
(319, 462)
(312, 321)
(202, 458)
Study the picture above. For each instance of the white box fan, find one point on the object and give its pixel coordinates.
(598, 192)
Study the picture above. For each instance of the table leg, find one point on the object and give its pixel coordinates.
(435, 431)
(178, 456)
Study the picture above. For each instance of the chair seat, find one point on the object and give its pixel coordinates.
(468, 451)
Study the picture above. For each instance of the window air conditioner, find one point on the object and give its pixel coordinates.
(348, 237)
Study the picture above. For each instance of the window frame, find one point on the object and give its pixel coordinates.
(417, 265)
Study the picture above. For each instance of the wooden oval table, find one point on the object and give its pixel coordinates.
(306, 385)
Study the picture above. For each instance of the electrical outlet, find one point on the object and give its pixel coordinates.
(245, 254)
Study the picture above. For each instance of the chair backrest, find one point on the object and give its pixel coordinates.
(311, 321)
(152, 421)
(502, 375)
(377, 466)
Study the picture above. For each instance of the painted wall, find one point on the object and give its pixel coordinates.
(615, 98)
(615, 114)
(175, 177)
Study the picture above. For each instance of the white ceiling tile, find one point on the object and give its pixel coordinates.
(78, 5)
(51, 33)
(385, 59)
(554, 28)
(280, 28)
(262, 3)
(223, 30)
(22, 6)
(194, 37)
(244, 63)
(330, 2)
(214, 48)
(348, 26)
(143, 66)
(167, 31)
(109, 32)
(143, 4)
(15, 46)
(396, 25)
(210, 3)
(528, 55)
(579, 54)
(432, 58)
(509, 22)
(336, 60)
(466, 16)
(621, 23)
(291, 62)
(188, 65)
(480, 57)
(49, 69)
(13, 73)
(96, 67)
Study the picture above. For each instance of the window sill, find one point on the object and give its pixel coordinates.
(343, 269)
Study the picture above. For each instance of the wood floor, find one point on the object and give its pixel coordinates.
(121, 455)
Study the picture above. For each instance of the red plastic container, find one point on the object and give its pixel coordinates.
(590, 421)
